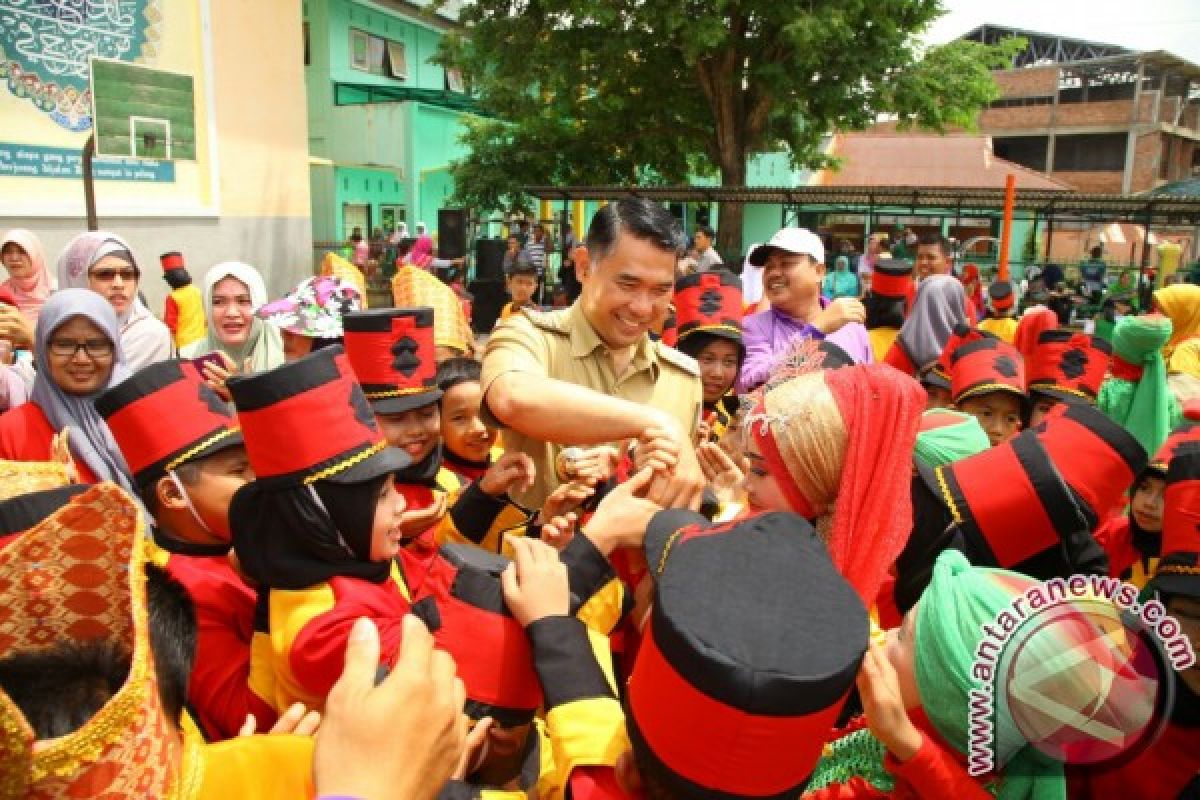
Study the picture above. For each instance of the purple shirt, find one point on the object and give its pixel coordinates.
(771, 333)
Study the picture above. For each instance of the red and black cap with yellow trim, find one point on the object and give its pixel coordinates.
(394, 356)
(494, 658)
(939, 373)
(1068, 366)
(892, 277)
(726, 699)
(308, 420)
(172, 261)
(986, 366)
(1017, 500)
(1186, 432)
(1179, 568)
(1001, 296)
(709, 302)
(165, 415)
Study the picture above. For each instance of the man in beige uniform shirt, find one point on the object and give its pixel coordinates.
(590, 374)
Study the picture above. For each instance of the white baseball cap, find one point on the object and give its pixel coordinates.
(798, 241)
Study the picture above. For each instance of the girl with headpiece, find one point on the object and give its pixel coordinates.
(29, 277)
(941, 305)
(232, 292)
(1181, 303)
(79, 349)
(104, 263)
(1136, 396)
(309, 317)
(836, 446)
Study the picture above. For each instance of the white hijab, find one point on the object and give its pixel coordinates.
(264, 345)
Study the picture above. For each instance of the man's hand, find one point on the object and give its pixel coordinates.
(678, 481)
(838, 313)
(512, 471)
(621, 518)
(400, 740)
(887, 718)
(15, 328)
(535, 584)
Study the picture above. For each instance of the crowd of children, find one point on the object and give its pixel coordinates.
(310, 523)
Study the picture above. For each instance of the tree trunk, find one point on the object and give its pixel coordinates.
(729, 224)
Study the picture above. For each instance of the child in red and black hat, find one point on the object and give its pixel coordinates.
(708, 325)
(187, 473)
(987, 381)
(1002, 306)
(183, 312)
(1066, 367)
(892, 292)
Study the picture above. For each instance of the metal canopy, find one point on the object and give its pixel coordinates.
(357, 94)
(1170, 210)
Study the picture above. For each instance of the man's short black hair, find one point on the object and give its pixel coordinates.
(61, 687)
(640, 218)
(936, 240)
(454, 371)
(707, 231)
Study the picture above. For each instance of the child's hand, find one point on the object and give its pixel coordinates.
(60, 451)
(535, 584)
(559, 531)
(883, 705)
(719, 469)
(566, 498)
(621, 518)
(416, 521)
(512, 471)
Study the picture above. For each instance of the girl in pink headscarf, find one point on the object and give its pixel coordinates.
(29, 279)
(422, 253)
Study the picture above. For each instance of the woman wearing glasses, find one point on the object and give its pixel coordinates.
(103, 262)
(78, 352)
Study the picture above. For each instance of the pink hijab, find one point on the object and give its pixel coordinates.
(422, 252)
(30, 292)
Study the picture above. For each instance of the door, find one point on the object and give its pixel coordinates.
(356, 215)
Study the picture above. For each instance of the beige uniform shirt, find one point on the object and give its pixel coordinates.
(564, 346)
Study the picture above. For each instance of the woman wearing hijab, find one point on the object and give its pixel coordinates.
(29, 278)
(941, 305)
(1181, 303)
(103, 262)
(79, 349)
(841, 282)
(1137, 396)
(421, 254)
(232, 292)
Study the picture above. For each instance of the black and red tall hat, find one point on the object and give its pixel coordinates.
(734, 692)
(987, 366)
(394, 356)
(1068, 366)
(709, 302)
(893, 278)
(1001, 296)
(1056, 480)
(1186, 432)
(309, 420)
(939, 373)
(473, 624)
(172, 261)
(1178, 570)
(165, 415)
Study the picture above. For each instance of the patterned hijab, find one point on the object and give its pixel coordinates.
(264, 345)
(89, 438)
(30, 292)
(940, 306)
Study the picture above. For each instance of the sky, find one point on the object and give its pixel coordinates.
(1172, 25)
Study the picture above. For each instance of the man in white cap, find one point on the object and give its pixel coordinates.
(793, 264)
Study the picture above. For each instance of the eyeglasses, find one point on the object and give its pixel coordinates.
(108, 274)
(94, 348)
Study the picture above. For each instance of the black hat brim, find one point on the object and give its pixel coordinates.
(405, 402)
(1059, 395)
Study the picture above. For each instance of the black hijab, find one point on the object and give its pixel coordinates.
(297, 537)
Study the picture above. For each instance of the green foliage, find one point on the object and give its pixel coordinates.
(624, 91)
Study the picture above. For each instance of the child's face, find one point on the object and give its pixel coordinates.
(1186, 610)
(718, 368)
(416, 431)
(521, 287)
(385, 531)
(220, 476)
(462, 427)
(1147, 504)
(1041, 407)
(999, 413)
(901, 652)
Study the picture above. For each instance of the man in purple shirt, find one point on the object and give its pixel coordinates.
(793, 267)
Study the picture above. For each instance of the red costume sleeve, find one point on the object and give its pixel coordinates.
(1113, 535)
(934, 773)
(171, 314)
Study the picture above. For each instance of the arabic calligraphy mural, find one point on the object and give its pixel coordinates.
(45, 46)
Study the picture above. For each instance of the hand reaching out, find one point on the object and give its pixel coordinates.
(535, 584)
(512, 472)
(60, 451)
(621, 518)
(297, 719)
(883, 705)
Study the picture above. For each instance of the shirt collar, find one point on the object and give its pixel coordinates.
(585, 341)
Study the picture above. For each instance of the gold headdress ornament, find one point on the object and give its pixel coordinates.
(26, 477)
(80, 575)
(413, 286)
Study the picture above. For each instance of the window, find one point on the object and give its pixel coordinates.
(1028, 151)
(377, 55)
(1096, 152)
(454, 79)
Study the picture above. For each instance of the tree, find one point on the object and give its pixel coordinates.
(635, 92)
